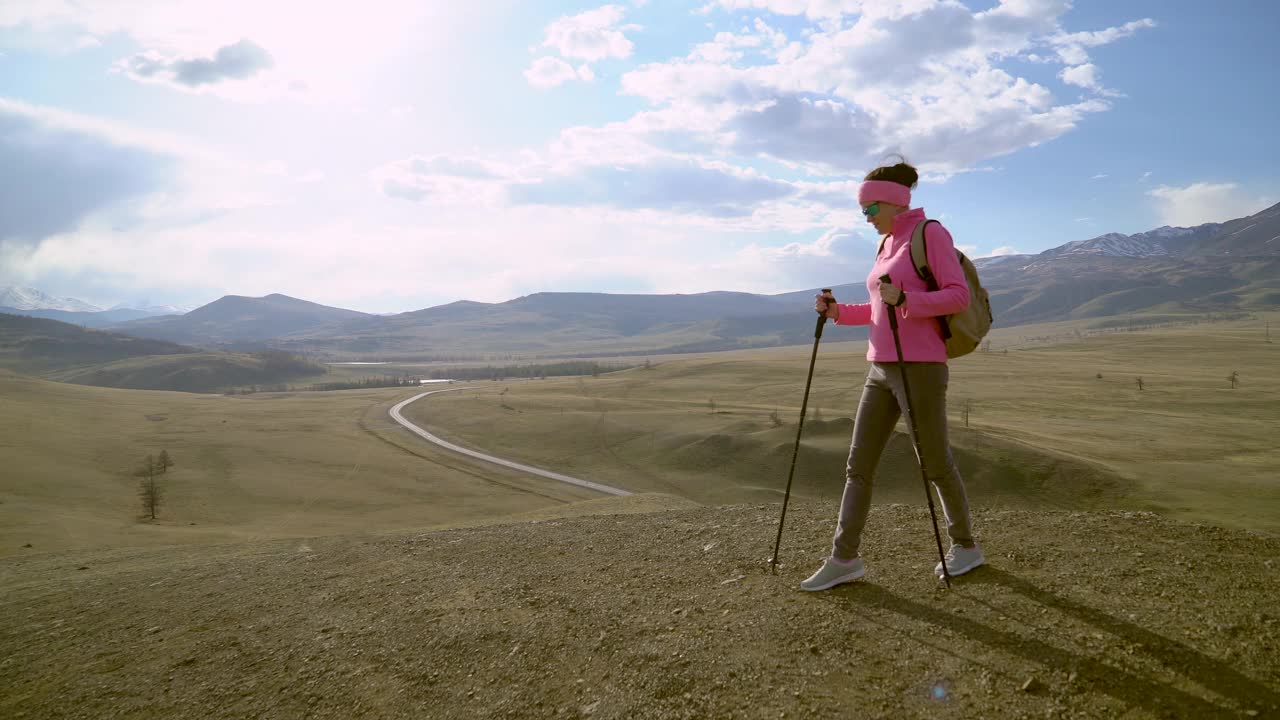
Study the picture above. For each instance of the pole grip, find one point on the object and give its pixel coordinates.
(822, 317)
(893, 311)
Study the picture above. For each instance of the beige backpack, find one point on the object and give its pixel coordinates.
(963, 331)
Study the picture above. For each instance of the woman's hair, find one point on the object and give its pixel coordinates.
(901, 173)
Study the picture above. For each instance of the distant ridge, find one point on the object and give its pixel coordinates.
(69, 353)
(1169, 271)
(235, 319)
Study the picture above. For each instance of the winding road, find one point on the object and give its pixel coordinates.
(395, 415)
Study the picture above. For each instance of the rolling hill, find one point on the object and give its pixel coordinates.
(69, 353)
(37, 345)
(564, 324)
(235, 320)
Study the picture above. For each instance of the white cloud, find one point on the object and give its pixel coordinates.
(339, 56)
(592, 35)
(653, 186)
(1005, 250)
(68, 172)
(920, 77)
(1083, 75)
(812, 9)
(79, 169)
(1099, 176)
(1071, 49)
(1144, 177)
(548, 72)
(1072, 42)
(1205, 202)
(837, 256)
(1086, 76)
(238, 61)
(378, 264)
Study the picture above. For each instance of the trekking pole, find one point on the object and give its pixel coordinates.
(915, 438)
(817, 336)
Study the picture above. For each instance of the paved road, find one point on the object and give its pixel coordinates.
(395, 415)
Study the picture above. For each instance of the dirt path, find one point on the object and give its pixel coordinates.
(395, 415)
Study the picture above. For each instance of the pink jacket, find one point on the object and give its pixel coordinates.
(918, 329)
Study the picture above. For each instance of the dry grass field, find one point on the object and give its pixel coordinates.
(248, 468)
(1044, 429)
(1044, 432)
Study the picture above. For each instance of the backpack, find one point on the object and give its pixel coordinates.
(963, 331)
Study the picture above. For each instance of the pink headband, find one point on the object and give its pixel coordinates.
(884, 191)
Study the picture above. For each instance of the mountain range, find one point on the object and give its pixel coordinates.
(31, 302)
(1213, 267)
(25, 298)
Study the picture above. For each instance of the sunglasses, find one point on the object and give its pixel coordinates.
(871, 210)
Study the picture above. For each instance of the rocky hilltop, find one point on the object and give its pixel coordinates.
(667, 613)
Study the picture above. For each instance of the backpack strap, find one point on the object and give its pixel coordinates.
(920, 255)
(920, 259)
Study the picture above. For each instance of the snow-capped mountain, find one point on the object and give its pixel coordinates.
(1164, 240)
(25, 298)
(155, 309)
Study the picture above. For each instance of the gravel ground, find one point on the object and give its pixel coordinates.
(669, 614)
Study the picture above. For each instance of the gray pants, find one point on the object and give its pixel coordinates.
(883, 402)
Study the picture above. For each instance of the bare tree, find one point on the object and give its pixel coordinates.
(711, 404)
(774, 419)
(1139, 384)
(1234, 377)
(165, 462)
(149, 491)
(965, 406)
(817, 413)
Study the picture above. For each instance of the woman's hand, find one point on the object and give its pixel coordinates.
(826, 306)
(892, 294)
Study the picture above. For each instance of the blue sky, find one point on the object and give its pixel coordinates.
(389, 155)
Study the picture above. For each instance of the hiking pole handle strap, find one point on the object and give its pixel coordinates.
(822, 317)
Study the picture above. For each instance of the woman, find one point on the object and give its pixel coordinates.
(885, 198)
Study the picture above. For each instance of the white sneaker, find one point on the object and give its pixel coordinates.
(833, 573)
(961, 560)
